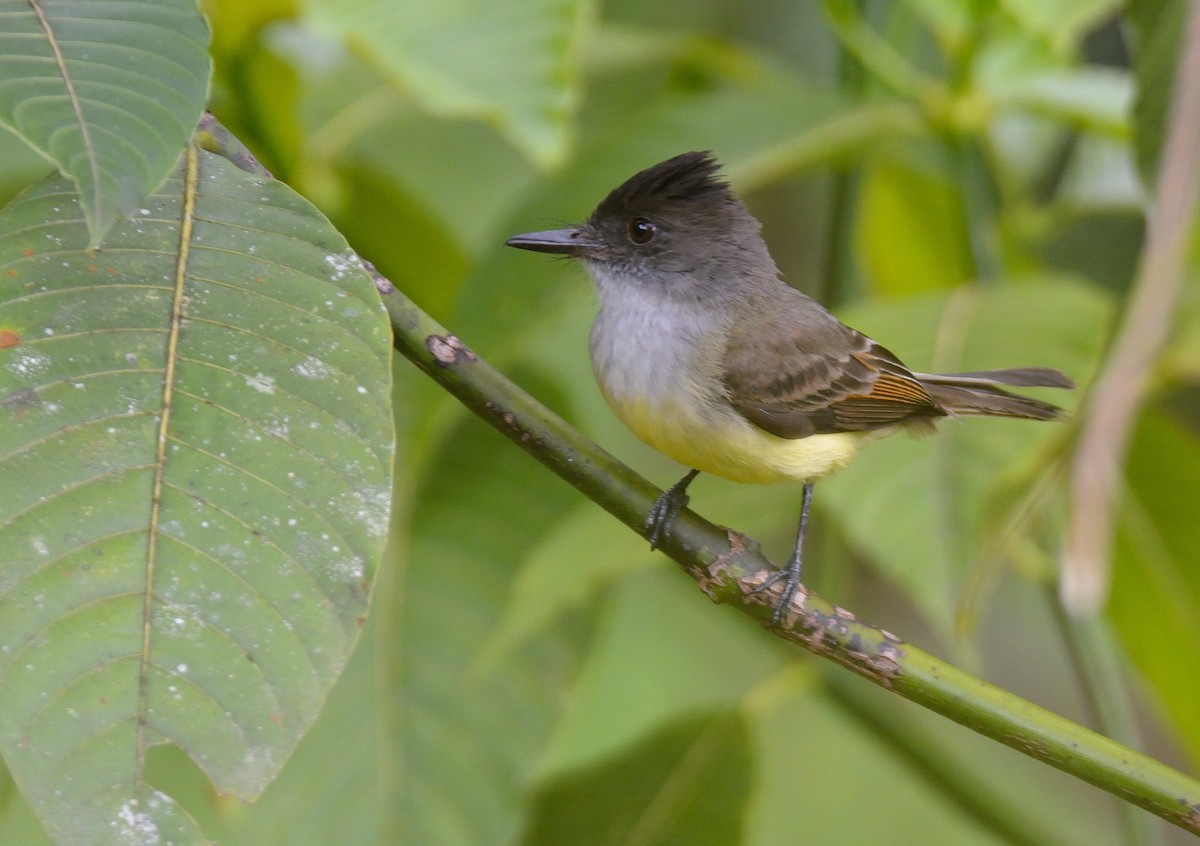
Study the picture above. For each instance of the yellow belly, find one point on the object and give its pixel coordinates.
(722, 442)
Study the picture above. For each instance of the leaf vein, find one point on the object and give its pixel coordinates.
(68, 81)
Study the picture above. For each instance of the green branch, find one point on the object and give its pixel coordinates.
(728, 567)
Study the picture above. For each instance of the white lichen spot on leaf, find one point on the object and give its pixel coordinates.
(313, 368)
(134, 825)
(28, 364)
(343, 263)
(351, 569)
(262, 383)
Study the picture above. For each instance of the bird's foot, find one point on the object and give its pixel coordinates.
(665, 509)
(790, 576)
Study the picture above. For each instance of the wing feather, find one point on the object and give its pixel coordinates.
(801, 372)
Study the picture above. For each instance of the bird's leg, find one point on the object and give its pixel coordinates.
(790, 574)
(666, 507)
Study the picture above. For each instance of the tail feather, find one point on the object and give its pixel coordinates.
(989, 401)
(1017, 377)
(979, 392)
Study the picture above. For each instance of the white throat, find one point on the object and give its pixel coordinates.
(647, 346)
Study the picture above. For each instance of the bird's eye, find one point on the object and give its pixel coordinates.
(641, 231)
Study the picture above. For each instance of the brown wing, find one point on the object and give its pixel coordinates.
(801, 372)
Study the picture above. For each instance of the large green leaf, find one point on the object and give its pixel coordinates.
(199, 420)
(513, 65)
(108, 91)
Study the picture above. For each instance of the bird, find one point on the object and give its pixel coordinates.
(706, 354)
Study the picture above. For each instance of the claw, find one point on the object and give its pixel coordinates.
(790, 574)
(666, 508)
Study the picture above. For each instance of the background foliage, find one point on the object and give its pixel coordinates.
(963, 181)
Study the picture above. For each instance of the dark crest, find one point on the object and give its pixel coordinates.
(688, 176)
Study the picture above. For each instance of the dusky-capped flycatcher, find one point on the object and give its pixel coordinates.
(710, 357)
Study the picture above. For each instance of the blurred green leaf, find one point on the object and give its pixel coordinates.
(685, 785)
(1182, 357)
(618, 47)
(734, 100)
(1155, 604)
(1062, 22)
(1091, 98)
(891, 68)
(256, 95)
(915, 506)
(1154, 27)
(467, 216)
(818, 760)
(911, 231)
(17, 821)
(461, 737)
(514, 65)
(109, 92)
(195, 414)
(22, 166)
(812, 756)
(659, 655)
(542, 594)
(1100, 176)
(242, 23)
(413, 250)
(952, 21)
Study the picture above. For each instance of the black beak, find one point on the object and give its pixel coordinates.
(569, 242)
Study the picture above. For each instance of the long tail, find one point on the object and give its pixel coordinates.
(980, 393)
